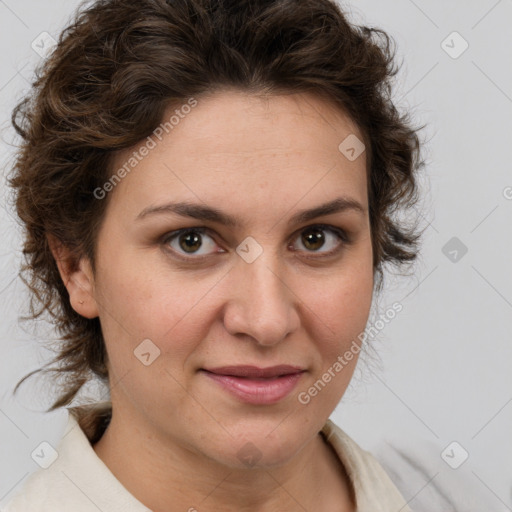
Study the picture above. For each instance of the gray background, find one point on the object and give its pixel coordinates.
(443, 373)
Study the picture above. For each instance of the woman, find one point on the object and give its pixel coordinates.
(208, 190)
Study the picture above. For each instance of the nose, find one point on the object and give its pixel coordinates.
(261, 305)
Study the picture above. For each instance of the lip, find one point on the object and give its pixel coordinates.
(255, 385)
(255, 372)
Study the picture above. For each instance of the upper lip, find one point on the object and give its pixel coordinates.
(256, 372)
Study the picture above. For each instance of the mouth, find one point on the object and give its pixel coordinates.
(258, 386)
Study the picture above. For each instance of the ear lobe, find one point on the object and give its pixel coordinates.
(77, 276)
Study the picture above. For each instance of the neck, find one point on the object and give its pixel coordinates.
(167, 472)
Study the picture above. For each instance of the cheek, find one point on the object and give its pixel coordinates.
(341, 314)
(139, 304)
(342, 306)
(343, 299)
(166, 310)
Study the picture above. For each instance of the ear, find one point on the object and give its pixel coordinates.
(77, 276)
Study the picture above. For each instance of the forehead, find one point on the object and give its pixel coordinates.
(237, 146)
(244, 126)
(298, 117)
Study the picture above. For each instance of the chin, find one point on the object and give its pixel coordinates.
(262, 444)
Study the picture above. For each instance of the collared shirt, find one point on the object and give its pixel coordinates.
(78, 480)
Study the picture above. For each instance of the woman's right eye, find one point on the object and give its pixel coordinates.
(191, 242)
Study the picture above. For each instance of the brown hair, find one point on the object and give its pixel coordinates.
(117, 68)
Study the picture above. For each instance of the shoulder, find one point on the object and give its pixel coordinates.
(374, 489)
(51, 487)
(419, 464)
(76, 479)
(410, 468)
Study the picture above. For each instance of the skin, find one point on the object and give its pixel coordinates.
(175, 434)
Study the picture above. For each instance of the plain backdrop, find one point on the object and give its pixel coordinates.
(443, 372)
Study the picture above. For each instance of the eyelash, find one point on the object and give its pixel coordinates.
(339, 233)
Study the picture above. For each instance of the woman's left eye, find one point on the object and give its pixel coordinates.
(319, 237)
(197, 242)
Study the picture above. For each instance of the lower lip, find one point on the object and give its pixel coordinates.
(257, 391)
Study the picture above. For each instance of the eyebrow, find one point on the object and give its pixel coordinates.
(208, 213)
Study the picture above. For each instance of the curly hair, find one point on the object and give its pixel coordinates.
(120, 64)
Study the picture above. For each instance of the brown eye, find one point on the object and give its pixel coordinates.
(328, 238)
(313, 239)
(190, 241)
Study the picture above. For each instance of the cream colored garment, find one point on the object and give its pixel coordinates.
(79, 481)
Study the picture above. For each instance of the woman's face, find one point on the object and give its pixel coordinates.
(270, 287)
